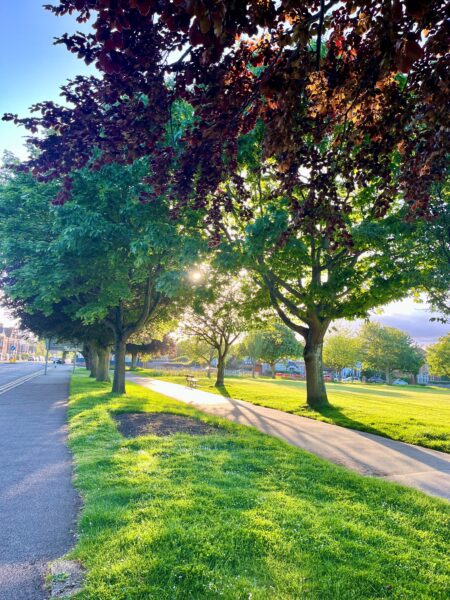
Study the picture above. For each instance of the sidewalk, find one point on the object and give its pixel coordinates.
(368, 454)
(38, 504)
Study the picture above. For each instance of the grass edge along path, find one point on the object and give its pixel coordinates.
(412, 414)
(239, 515)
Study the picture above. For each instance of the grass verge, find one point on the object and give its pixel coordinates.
(414, 414)
(239, 515)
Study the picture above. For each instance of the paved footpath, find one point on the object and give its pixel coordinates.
(368, 454)
(38, 504)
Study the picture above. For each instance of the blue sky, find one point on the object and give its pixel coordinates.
(33, 69)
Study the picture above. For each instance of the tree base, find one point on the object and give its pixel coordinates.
(117, 393)
(316, 403)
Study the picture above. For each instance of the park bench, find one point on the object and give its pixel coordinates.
(191, 381)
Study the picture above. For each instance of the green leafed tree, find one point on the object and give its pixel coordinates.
(438, 356)
(153, 339)
(252, 347)
(113, 258)
(311, 272)
(31, 271)
(149, 349)
(198, 350)
(219, 318)
(436, 253)
(278, 344)
(386, 349)
(95, 340)
(340, 350)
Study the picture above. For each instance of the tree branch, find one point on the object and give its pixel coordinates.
(148, 308)
(287, 286)
(286, 320)
(277, 294)
(319, 32)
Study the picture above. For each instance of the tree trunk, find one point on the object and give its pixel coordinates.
(208, 369)
(272, 366)
(93, 362)
(388, 375)
(134, 360)
(253, 368)
(119, 366)
(85, 355)
(104, 353)
(220, 370)
(316, 394)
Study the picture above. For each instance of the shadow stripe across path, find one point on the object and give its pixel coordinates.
(38, 504)
(421, 468)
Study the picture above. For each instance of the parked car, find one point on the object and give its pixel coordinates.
(351, 380)
(375, 379)
(399, 382)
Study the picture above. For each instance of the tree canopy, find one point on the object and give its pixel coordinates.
(218, 318)
(351, 86)
(110, 258)
(252, 346)
(309, 279)
(278, 343)
(387, 349)
(340, 350)
(438, 356)
(197, 350)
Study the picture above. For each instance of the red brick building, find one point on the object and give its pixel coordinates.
(14, 342)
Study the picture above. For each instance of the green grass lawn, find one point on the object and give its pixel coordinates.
(414, 414)
(239, 515)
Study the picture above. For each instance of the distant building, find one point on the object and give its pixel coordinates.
(14, 343)
(295, 367)
(425, 378)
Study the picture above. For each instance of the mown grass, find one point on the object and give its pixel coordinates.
(414, 414)
(239, 515)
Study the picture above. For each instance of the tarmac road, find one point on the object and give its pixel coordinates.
(38, 504)
(10, 372)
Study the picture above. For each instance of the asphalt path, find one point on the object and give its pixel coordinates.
(421, 468)
(38, 504)
(10, 372)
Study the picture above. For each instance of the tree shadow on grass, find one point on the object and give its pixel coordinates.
(334, 414)
(366, 389)
(222, 389)
(338, 417)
